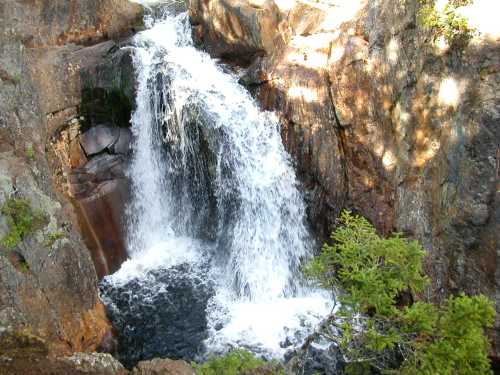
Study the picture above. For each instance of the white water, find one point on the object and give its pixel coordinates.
(259, 240)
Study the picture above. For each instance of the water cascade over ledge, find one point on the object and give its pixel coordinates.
(216, 225)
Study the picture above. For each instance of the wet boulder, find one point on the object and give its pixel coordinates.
(161, 314)
(95, 363)
(123, 143)
(316, 357)
(99, 138)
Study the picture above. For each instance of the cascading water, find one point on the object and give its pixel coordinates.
(216, 221)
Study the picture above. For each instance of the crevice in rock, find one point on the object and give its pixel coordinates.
(340, 133)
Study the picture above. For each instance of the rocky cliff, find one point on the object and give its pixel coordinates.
(55, 61)
(381, 117)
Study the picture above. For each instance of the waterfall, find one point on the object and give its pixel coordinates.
(216, 214)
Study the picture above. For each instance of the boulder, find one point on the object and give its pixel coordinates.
(316, 358)
(160, 366)
(123, 145)
(68, 318)
(237, 29)
(160, 314)
(99, 138)
(95, 363)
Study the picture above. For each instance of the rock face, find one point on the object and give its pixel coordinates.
(89, 141)
(381, 118)
(48, 283)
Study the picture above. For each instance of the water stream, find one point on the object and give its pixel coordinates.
(217, 228)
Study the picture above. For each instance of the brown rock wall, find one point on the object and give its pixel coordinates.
(384, 119)
(48, 283)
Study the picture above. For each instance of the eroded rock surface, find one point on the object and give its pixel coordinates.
(381, 118)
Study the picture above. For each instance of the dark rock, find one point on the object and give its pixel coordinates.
(101, 190)
(98, 158)
(105, 167)
(99, 138)
(122, 145)
(108, 87)
(317, 358)
(162, 314)
(95, 177)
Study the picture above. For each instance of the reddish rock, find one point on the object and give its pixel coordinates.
(384, 121)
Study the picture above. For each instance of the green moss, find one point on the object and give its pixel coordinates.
(22, 220)
(236, 362)
(21, 344)
(51, 238)
(30, 152)
(16, 78)
(24, 266)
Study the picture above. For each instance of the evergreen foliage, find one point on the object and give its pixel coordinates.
(376, 329)
(448, 22)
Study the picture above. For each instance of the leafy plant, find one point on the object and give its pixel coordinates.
(448, 22)
(53, 237)
(376, 328)
(21, 219)
(237, 362)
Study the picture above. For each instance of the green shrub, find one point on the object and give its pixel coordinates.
(448, 23)
(373, 270)
(376, 329)
(21, 219)
(449, 339)
(234, 363)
